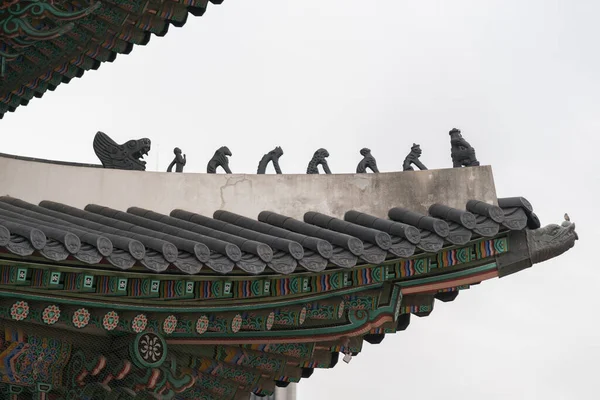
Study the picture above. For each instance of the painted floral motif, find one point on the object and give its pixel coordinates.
(302, 315)
(81, 318)
(19, 311)
(139, 323)
(202, 324)
(51, 314)
(110, 320)
(151, 348)
(169, 324)
(236, 323)
(270, 321)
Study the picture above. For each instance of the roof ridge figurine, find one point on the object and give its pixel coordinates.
(368, 161)
(219, 160)
(128, 156)
(463, 154)
(272, 156)
(179, 161)
(413, 158)
(121, 156)
(319, 158)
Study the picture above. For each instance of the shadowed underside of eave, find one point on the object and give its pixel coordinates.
(33, 66)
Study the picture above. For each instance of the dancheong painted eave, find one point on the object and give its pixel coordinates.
(224, 286)
(46, 43)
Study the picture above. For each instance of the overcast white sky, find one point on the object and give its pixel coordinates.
(520, 78)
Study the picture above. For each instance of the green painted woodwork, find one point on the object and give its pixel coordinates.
(311, 304)
(318, 314)
(109, 283)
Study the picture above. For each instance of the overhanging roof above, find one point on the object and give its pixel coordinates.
(49, 43)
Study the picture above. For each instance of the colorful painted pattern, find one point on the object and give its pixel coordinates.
(111, 285)
(169, 324)
(110, 320)
(321, 283)
(81, 318)
(453, 257)
(139, 323)
(285, 286)
(245, 289)
(367, 276)
(37, 360)
(323, 311)
(290, 316)
(236, 323)
(491, 248)
(19, 311)
(172, 289)
(408, 268)
(327, 282)
(270, 321)
(302, 317)
(356, 302)
(202, 325)
(51, 314)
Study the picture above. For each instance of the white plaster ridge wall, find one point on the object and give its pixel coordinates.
(248, 195)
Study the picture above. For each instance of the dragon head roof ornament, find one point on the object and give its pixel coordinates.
(121, 156)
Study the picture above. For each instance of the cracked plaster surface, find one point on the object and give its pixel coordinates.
(291, 195)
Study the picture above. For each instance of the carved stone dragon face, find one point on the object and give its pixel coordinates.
(551, 241)
(137, 149)
(121, 156)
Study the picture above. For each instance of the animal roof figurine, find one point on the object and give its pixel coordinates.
(219, 160)
(319, 158)
(368, 161)
(413, 158)
(272, 156)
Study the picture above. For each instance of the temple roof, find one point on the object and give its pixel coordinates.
(190, 243)
(49, 43)
(239, 300)
(243, 305)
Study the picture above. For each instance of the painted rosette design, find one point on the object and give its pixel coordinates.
(169, 324)
(139, 323)
(202, 324)
(270, 321)
(51, 314)
(236, 323)
(110, 320)
(81, 318)
(19, 311)
(302, 317)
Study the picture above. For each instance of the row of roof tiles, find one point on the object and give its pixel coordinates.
(187, 242)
